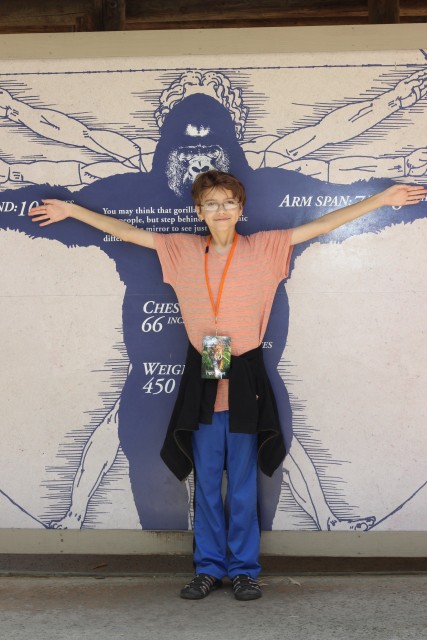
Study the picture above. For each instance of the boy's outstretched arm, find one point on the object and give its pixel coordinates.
(56, 210)
(398, 195)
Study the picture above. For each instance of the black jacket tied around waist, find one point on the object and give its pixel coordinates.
(252, 408)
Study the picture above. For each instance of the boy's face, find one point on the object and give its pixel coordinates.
(219, 209)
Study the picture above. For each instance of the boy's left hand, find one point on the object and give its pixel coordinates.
(400, 195)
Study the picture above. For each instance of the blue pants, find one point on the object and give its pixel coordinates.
(216, 553)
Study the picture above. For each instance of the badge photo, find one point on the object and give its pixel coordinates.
(216, 357)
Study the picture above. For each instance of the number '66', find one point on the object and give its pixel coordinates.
(152, 325)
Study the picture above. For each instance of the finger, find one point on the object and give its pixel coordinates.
(42, 220)
(42, 207)
(417, 194)
(415, 189)
(414, 199)
(41, 212)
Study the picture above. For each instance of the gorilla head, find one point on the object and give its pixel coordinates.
(197, 135)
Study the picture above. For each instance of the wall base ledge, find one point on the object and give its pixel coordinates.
(143, 565)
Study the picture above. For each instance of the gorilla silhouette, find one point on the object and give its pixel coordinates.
(198, 134)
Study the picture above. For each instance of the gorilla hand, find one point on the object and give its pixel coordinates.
(416, 163)
(410, 90)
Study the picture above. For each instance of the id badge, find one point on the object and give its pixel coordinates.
(216, 357)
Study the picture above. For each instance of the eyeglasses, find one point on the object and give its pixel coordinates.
(211, 206)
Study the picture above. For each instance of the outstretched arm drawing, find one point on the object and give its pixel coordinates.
(347, 122)
(344, 170)
(55, 125)
(64, 173)
(350, 169)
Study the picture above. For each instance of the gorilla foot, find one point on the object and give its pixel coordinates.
(351, 524)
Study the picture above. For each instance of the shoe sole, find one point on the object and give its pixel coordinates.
(245, 597)
(188, 596)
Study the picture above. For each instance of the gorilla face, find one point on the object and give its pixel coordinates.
(197, 135)
(185, 163)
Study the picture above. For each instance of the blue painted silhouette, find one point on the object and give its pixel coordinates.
(198, 133)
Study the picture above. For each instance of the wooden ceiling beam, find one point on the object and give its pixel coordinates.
(413, 8)
(157, 14)
(384, 11)
(222, 10)
(114, 15)
(237, 24)
(30, 16)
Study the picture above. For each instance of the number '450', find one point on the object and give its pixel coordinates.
(159, 385)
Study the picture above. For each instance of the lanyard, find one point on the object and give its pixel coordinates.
(215, 307)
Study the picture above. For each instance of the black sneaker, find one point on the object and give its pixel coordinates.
(246, 588)
(200, 587)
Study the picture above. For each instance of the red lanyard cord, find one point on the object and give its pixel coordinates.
(215, 307)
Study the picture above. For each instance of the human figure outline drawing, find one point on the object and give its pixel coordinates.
(199, 158)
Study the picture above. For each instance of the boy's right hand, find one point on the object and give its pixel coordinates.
(50, 211)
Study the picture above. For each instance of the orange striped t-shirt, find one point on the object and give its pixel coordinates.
(259, 263)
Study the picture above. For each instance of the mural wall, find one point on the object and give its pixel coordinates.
(93, 343)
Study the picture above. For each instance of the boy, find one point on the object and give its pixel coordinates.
(225, 284)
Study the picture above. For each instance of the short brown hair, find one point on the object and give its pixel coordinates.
(214, 179)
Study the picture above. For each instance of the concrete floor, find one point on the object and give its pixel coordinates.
(386, 607)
